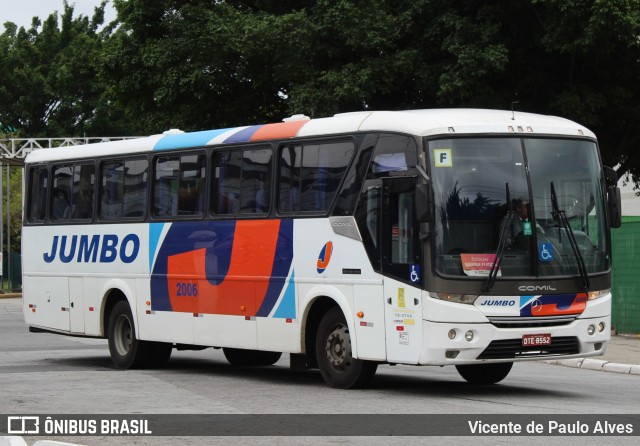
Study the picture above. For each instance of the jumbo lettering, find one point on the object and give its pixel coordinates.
(85, 249)
(498, 303)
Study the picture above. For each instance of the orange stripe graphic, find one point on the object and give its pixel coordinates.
(277, 131)
(245, 284)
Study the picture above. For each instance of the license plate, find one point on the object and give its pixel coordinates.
(536, 339)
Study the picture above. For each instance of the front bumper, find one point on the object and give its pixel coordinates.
(492, 344)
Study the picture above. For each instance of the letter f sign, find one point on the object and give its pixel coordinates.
(442, 158)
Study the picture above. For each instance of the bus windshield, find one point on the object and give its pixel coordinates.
(552, 222)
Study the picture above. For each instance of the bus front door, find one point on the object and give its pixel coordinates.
(401, 268)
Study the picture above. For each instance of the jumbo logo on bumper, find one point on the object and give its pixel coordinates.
(532, 306)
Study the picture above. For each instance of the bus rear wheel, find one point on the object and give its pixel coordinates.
(485, 374)
(241, 357)
(127, 351)
(333, 353)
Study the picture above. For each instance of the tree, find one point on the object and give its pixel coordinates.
(49, 84)
(582, 61)
(198, 64)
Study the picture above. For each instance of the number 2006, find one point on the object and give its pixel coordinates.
(186, 289)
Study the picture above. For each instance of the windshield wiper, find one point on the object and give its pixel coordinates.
(502, 239)
(563, 223)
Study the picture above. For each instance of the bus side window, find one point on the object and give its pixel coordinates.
(241, 181)
(399, 229)
(165, 186)
(134, 189)
(84, 179)
(255, 197)
(38, 187)
(393, 153)
(177, 185)
(310, 175)
(348, 196)
(191, 194)
(61, 197)
(123, 189)
(227, 167)
(111, 190)
(290, 162)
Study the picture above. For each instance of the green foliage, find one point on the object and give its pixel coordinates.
(200, 64)
(49, 84)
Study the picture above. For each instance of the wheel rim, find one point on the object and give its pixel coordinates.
(338, 348)
(123, 335)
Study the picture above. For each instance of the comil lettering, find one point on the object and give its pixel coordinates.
(104, 248)
(531, 288)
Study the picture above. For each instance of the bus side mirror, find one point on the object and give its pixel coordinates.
(610, 176)
(614, 202)
(423, 203)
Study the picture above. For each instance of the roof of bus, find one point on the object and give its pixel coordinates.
(416, 122)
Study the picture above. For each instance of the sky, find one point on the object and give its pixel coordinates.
(21, 12)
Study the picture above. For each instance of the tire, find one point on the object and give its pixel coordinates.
(240, 357)
(333, 353)
(127, 351)
(485, 374)
(160, 354)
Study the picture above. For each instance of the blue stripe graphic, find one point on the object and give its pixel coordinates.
(243, 135)
(183, 140)
(287, 307)
(155, 229)
(281, 266)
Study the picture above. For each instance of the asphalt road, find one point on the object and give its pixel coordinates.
(43, 373)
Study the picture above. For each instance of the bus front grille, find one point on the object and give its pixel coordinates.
(513, 348)
(530, 322)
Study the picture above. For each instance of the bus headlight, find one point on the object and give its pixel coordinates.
(458, 298)
(592, 295)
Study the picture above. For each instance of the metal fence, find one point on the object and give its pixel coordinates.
(21, 147)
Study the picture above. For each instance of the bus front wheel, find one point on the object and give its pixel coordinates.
(127, 351)
(485, 374)
(333, 353)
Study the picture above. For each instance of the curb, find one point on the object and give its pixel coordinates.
(10, 295)
(597, 364)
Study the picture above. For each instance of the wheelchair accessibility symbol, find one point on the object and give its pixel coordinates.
(415, 274)
(545, 252)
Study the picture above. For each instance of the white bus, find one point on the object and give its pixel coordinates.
(472, 238)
